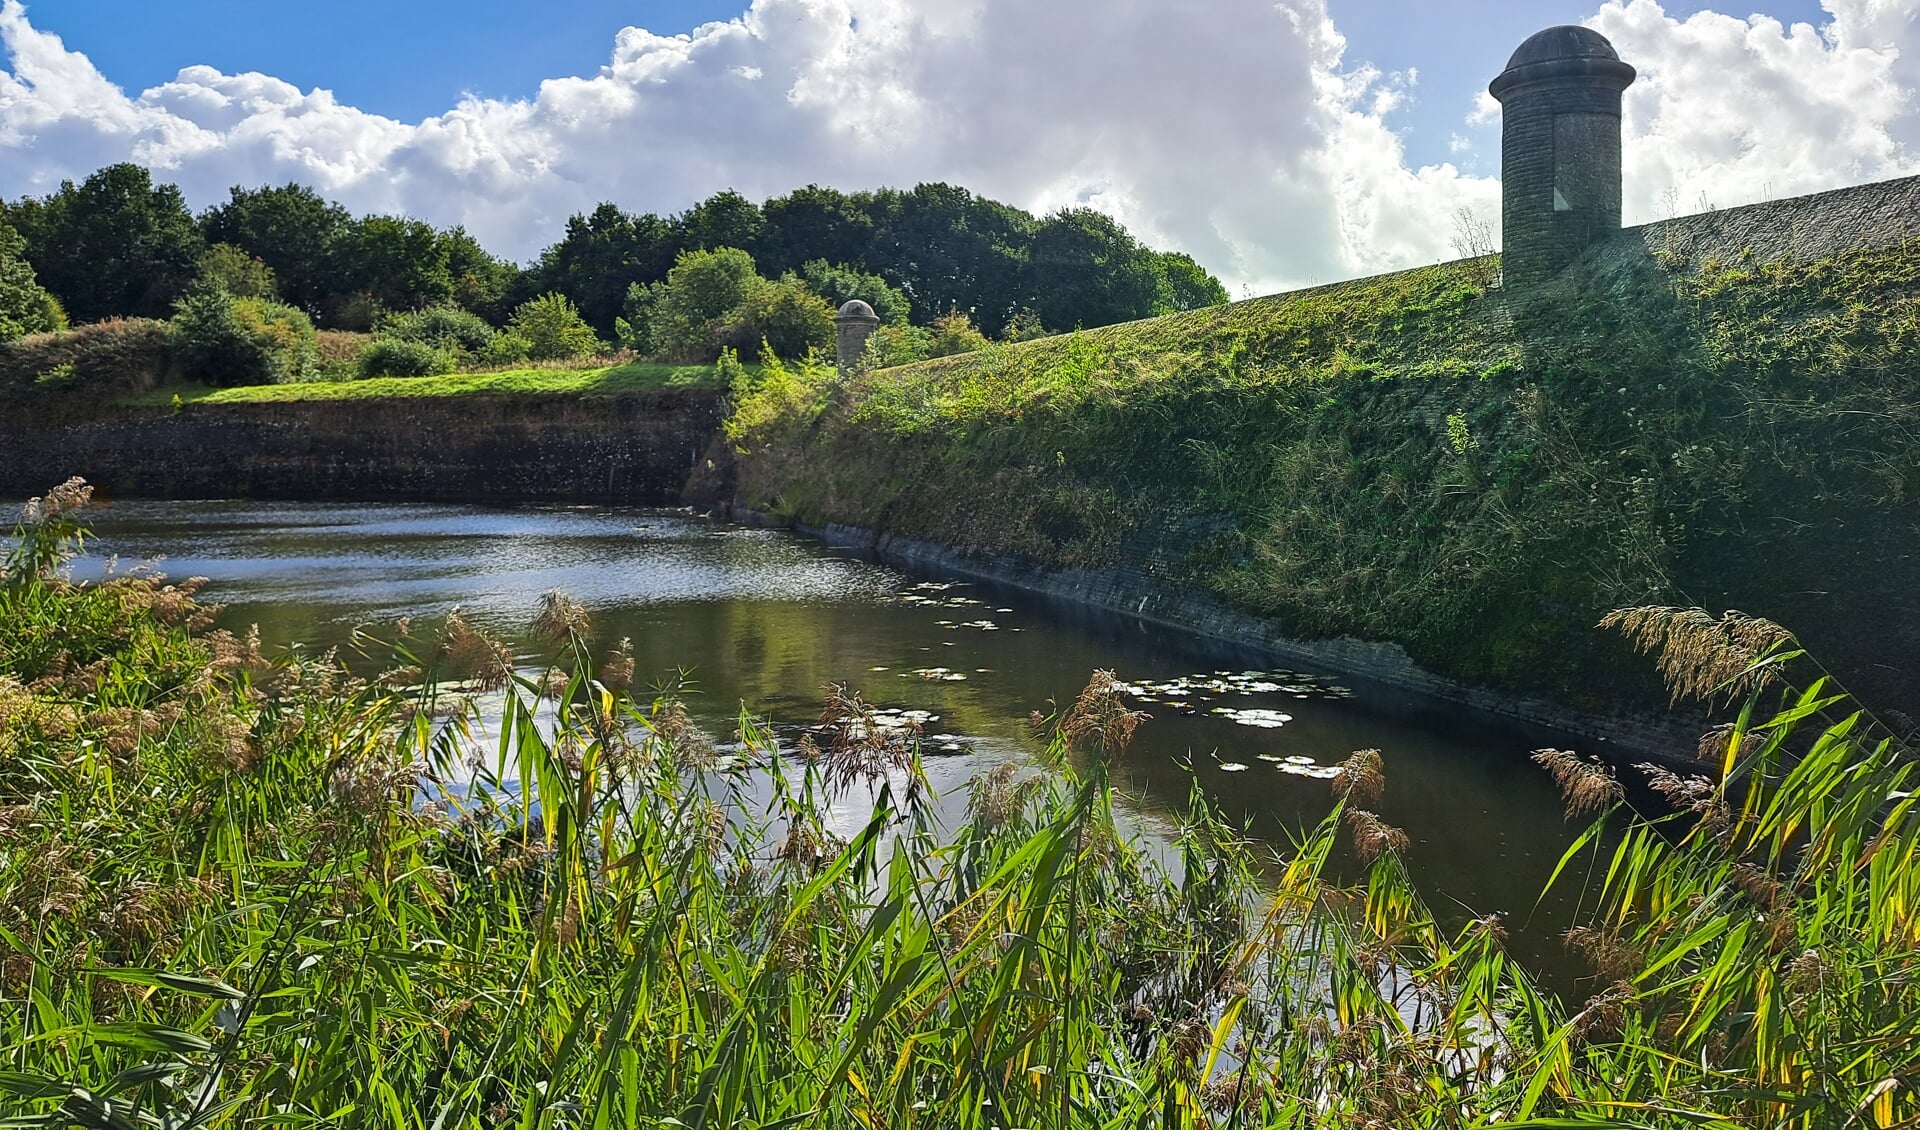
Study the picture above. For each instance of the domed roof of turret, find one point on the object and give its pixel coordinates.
(857, 309)
(1568, 41)
(1560, 55)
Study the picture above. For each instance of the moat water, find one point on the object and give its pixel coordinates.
(763, 620)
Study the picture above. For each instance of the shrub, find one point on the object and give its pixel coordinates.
(120, 356)
(897, 345)
(443, 327)
(1025, 325)
(783, 316)
(26, 307)
(340, 354)
(228, 341)
(553, 329)
(507, 348)
(840, 284)
(954, 332)
(239, 273)
(398, 357)
(690, 316)
(777, 399)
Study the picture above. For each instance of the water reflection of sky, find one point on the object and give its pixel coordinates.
(763, 620)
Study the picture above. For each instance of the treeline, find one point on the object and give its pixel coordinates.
(118, 245)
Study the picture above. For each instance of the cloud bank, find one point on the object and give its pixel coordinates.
(1230, 129)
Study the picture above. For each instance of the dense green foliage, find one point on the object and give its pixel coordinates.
(236, 272)
(222, 340)
(1407, 458)
(249, 891)
(25, 306)
(404, 357)
(716, 300)
(117, 245)
(552, 329)
(840, 284)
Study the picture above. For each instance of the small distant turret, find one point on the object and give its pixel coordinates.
(853, 325)
(1560, 150)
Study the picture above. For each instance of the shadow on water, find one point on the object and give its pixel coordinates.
(763, 620)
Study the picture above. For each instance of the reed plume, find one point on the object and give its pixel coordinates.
(1701, 657)
(1586, 786)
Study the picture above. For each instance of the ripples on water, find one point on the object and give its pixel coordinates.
(765, 619)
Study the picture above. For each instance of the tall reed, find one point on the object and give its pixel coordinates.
(237, 891)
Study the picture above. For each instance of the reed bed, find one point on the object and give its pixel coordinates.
(241, 889)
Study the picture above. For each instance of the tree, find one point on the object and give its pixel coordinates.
(553, 329)
(226, 341)
(687, 316)
(954, 332)
(948, 249)
(840, 284)
(815, 223)
(600, 257)
(1189, 286)
(295, 232)
(1085, 270)
(116, 245)
(400, 264)
(25, 306)
(783, 316)
(239, 273)
(481, 282)
(725, 219)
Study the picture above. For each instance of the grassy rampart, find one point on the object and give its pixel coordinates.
(1473, 475)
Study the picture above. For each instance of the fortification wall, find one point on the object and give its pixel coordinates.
(631, 448)
(1799, 228)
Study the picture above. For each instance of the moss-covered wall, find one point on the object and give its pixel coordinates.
(628, 448)
(1478, 476)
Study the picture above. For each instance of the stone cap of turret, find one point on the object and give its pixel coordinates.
(856, 311)
(1560, 54)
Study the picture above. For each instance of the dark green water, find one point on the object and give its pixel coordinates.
(766, 619)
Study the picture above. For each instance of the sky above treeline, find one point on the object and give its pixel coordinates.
(1281, 144)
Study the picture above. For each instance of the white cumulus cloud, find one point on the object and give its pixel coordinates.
(1231, 129)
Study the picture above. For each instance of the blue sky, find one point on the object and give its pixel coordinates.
(1229, 129)
(410, 59)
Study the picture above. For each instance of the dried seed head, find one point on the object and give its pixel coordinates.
(1587, 786)
(561, 618)
(1604, 1016)
(997, 797)
(1373, 837)
(616, 672)
(470, 653)
(1362, 780)
(1100, 717)
(1701, 657)
(855, 746)
(1610, 957)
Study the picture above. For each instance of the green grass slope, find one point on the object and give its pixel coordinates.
(1476, 476)
(603, 381)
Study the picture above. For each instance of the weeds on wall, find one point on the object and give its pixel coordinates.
(1476, 475)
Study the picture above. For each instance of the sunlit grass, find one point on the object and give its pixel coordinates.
(604, 381)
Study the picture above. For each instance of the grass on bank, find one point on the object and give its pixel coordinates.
(1474, 475)
(602, 381)
(225, 903)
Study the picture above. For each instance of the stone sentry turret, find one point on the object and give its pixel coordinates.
(1560, 150)
(853, 325)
